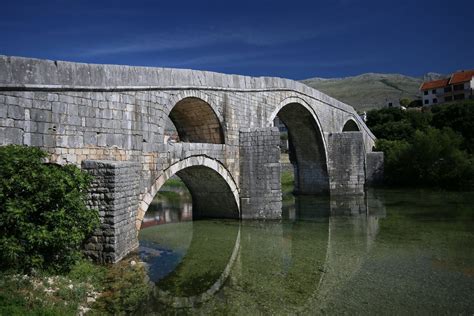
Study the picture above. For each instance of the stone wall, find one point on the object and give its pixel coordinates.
(260, 194)
(80, 112)
(114, 192)
(346, 163)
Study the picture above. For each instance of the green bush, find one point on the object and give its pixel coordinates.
(43, 216)
(432, 158)
(459, 117)
(427, 148)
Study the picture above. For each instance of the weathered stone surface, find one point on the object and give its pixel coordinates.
(114, 192)
(228, 153)
(346, 163)
(260, 193)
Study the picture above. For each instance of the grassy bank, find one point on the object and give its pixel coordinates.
(88, 287)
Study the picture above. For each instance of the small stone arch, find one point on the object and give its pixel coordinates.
(295, 99)
(207, 180)
(350, 126)
(195, 118)
(307, 143)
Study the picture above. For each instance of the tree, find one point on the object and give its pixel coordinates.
(43, 216)
(459, 117)
(415, 104)
(404, 102)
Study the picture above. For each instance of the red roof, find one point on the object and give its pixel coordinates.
(434, 84)
(462, 76)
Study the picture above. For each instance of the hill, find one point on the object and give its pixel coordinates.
(371, 90)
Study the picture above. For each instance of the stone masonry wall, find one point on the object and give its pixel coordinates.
(260, 194)
(81, 112)
(347, 161)
(114, 192)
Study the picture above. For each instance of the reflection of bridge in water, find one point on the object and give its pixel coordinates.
(112, 121)
(284, 266)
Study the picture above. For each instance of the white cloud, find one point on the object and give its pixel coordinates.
(186, 39)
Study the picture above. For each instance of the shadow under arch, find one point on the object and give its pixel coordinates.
(196, 121)
(212, 187)
(307, 146)
(351, 126)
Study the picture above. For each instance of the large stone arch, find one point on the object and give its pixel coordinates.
(350, 126)
(308, 144)
(196, 118)
(213, 189)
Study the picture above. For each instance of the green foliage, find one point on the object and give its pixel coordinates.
(44, 295)
(415, 104)
(395, 157)
(396, 130)
(432, 158)
(405, 102)
(43, 216)
(460, 118)
(427, 148)
(175, 182)
(125, 288)
(88, 272)
(397, 124)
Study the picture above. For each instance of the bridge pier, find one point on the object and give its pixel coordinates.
(114, 192)
(260, 194)
(346, 165)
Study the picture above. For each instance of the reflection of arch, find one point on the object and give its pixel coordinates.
(212, 187)
(307, 144)
(204, 248)
(351, 126)
(196, 121)
(351, 234)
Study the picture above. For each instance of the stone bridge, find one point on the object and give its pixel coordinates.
(114, 121)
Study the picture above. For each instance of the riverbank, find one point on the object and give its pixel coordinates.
(87, 288)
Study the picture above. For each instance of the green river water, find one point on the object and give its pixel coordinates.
(388, 252)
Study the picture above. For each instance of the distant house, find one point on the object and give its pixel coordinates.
(392, 103)
(459, 86)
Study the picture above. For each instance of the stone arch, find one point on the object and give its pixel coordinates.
(351, 126)
(212, 187)
(308, 145)
(195, 118)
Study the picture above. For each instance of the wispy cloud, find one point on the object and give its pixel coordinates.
(186, 39)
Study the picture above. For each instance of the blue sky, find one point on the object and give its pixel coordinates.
(293, 39)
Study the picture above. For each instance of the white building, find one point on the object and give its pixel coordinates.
(459, 86)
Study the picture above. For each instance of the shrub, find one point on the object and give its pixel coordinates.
(43, 216)
(432, 158)
(459, 117)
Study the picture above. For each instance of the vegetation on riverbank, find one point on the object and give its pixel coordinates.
(430, 147)
(87, 287)
(44, 222)
(43, 215)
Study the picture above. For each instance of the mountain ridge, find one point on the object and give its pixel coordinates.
(372, 90)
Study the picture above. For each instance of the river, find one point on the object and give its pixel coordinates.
(387, 252)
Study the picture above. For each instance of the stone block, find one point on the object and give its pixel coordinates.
(16, 112)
